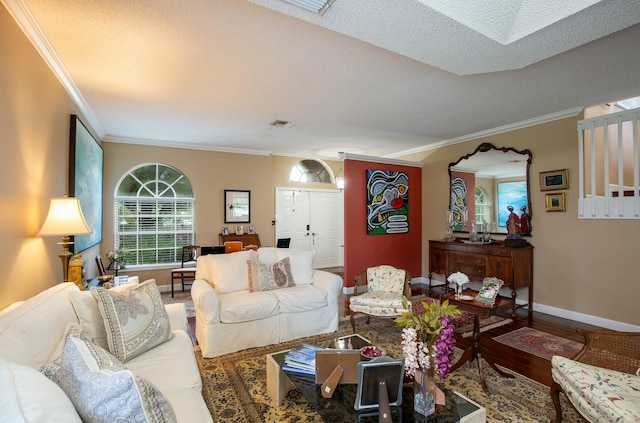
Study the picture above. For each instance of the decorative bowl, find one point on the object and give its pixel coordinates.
(371, 351)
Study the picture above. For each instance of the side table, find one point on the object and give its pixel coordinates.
(479, 310)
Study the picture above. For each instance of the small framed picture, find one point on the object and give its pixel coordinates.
(251, 229)
(554, 179)
(225, 231)
(555, 202)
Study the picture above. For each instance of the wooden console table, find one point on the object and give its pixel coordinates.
(246, 239)
(514, 265)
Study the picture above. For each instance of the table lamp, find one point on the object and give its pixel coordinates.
(65, 218)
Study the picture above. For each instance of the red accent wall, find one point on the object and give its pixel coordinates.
(362, 250)
(471, 194)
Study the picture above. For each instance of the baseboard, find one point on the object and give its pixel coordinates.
(586, 318)
(347, 290)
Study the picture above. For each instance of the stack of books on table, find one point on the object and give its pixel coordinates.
(301, 359)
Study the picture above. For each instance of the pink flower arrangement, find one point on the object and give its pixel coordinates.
(427, 340)
(372, 352)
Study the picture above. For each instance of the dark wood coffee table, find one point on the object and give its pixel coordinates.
(480, 311)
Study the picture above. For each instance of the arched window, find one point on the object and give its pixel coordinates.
(309, 170)
(154, 214)
(482, 207)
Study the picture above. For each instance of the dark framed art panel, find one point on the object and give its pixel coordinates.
(86, 167)
(237, 206)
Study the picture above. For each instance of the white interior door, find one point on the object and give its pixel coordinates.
(312, 219)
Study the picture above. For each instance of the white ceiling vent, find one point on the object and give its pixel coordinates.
(317, 6)
(282, 123)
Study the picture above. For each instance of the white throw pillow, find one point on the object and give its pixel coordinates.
(267, 255)
(301, 264)
(135, 319)
(103, 390)
(88, 313)
(28, 396)
(229, 271)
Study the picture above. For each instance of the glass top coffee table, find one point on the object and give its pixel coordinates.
(340, 408)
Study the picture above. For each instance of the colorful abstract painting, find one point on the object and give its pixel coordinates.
(459, 202)
(387, 202)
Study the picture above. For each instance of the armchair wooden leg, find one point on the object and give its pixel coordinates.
(555, 397)
(353, 322)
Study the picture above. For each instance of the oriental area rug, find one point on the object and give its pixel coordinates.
(234, 385)
(464, 322)
(538, 343)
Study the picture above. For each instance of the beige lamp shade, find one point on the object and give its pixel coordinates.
(64, 218)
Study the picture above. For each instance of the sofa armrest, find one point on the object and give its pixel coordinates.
(177, 313)
(206, 302)
(329, 282)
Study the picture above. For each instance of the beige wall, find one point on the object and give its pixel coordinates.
(583, 266)
(34, 153)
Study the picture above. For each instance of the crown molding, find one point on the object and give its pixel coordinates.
(30, 27)
(349, 156)
(494, 131)
(188, 146)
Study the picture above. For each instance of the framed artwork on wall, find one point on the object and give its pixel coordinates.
(237, 206)
(554, 179)
(510, 194)
(387, 202)
(86, 167)
(554, 202)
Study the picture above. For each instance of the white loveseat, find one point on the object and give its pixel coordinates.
(231, 317)
(30, 336)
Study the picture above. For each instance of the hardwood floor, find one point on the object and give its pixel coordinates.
(533, 367)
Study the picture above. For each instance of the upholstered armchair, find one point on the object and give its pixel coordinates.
(601, 381)
(378, 292)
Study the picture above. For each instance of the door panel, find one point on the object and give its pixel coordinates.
(312, 220)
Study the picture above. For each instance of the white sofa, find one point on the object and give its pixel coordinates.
(32, 331)
(232, 317)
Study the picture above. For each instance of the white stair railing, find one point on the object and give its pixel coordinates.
(599, 198)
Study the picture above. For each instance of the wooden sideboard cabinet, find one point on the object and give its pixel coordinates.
(514, 265)
(247, 239)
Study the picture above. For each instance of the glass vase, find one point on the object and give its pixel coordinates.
(424, 392)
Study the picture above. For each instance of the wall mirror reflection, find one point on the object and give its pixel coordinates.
(483, 186)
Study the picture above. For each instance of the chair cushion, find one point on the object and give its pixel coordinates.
(29, 397)
(598, 394)
(135, 319)
(377, 303)
(385, 279)
(266, 277)
(301, 298)
(103, 390)
(244, 306)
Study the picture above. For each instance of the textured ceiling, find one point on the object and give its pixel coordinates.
(374, 77)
